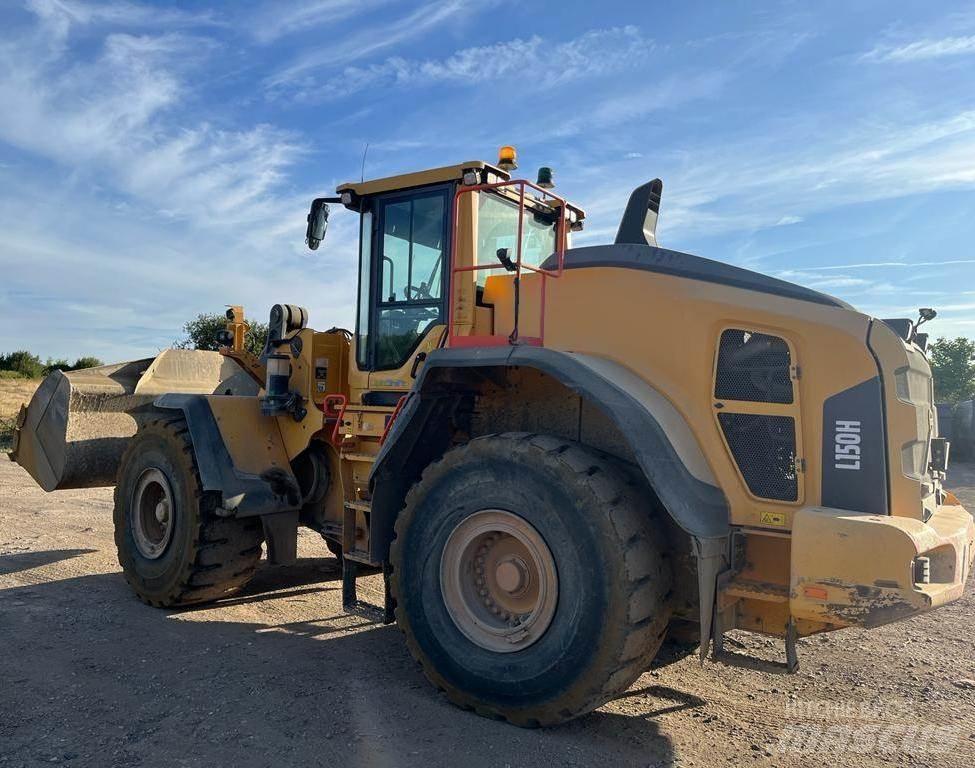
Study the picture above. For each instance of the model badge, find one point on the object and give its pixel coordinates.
(847, 445)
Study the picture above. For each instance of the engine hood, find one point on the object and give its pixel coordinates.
(664, 261)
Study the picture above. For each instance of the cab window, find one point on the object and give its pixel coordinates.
(497, 227)
(407, 277)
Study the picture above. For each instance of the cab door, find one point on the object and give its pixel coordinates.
(403, 308)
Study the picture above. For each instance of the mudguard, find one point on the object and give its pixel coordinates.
(659, 437)
(272, 494)
(244, 494)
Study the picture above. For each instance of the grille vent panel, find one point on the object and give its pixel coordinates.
(764, 448)
(753, 367)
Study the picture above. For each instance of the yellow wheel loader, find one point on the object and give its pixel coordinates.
(555, 455)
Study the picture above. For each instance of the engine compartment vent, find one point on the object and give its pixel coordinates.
(764, 448)
(754, 367)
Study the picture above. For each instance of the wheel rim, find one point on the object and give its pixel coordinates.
(498, 580)
(151, 513)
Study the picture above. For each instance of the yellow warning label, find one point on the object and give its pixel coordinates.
(773, 518)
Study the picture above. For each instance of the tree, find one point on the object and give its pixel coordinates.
(64, 365)
(22, 363)
(953, 365)
(203, 331)
(56, 365)
(85, 362)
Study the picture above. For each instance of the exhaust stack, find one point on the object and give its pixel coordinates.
(639, 224)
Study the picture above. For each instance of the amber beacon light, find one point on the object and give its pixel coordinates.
(507, 158)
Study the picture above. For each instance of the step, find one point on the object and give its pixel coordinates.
(367, 457)
(359, 556)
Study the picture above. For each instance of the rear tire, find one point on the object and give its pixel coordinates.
(564, 503)
(173, 548)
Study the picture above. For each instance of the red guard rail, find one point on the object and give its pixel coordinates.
(453, 340)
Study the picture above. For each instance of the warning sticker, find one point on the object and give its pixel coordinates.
(773, 518)
(321, 367)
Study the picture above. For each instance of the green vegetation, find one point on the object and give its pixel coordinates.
(21, 370)
(24, 365)
(202, 333)
(6, 433)
(85, 362)
(953, 365)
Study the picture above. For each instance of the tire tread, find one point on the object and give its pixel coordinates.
(225, 552)
(644, 572)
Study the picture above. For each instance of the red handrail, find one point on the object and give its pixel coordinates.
(560, 239)
(389, 424)
(342, 401)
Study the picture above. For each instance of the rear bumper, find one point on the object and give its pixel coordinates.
(851, 569)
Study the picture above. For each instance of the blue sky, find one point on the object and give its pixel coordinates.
(157, 159)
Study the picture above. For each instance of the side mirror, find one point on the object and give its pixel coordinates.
(317, 223)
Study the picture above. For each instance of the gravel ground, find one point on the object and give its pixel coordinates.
(280, 676)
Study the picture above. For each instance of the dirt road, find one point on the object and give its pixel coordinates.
(279, 676)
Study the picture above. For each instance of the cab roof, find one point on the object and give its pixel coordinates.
(419, 178)
(445, 173)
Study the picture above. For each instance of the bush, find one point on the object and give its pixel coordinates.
(85, 362)
(56, 365)
(953, 367)
(23, 363)
(7, 427)
(202, 333)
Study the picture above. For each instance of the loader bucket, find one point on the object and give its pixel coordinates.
(77, 424)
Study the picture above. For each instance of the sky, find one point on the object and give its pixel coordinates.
(157, 159)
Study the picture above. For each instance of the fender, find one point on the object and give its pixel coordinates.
(658, 435)
(660, 438)
(271, 493)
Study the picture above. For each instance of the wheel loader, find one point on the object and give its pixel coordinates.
(555, 456)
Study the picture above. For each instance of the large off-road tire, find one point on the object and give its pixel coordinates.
(173, 548)
(512, 520)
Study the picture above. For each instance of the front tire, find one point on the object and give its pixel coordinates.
(528, 579)
(173, 548)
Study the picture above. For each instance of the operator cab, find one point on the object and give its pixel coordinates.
(409, 252)
(403, 242)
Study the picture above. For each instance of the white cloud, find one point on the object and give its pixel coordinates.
(81, 277)
(113, 116)
(887, 264)
(139, 207)
(275, 19)
(61, 14)
(710, 190)
(787, 220)
(665, 93)
(920, 50)
(594, 53)
(821, 282)
(301, 72)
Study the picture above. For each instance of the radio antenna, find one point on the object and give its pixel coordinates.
(362, 172)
